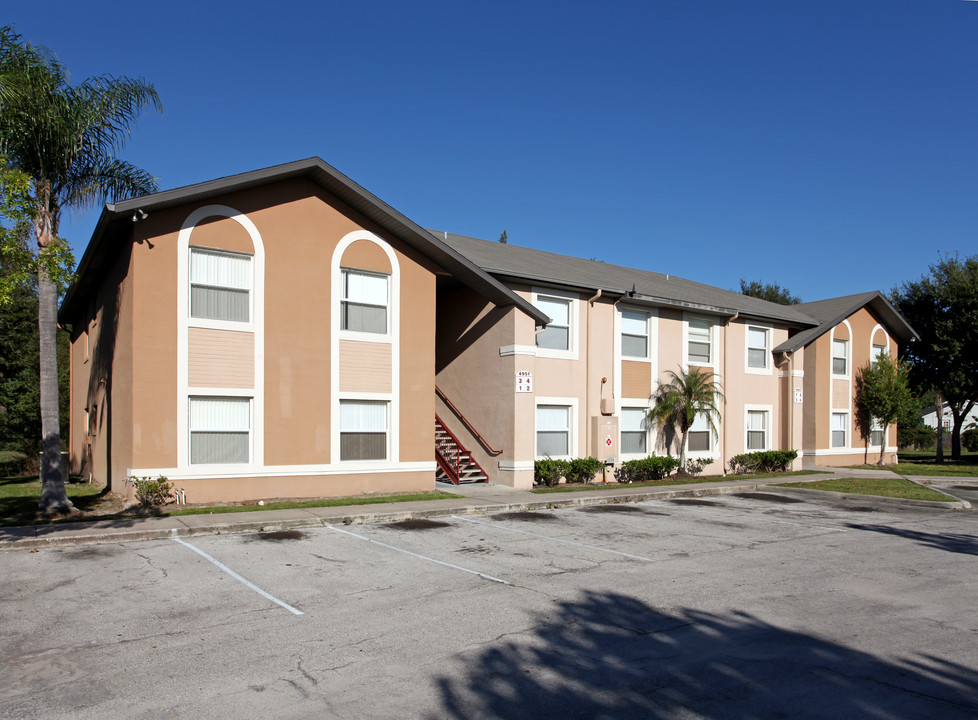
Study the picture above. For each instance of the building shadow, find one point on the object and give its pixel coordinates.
(950, 542)
(609, 655)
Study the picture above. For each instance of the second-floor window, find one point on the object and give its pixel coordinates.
(757, 348)
(840, 357)
(220, 285)
(556, 336)
(700, 342)
(634, 334)
(364, 301)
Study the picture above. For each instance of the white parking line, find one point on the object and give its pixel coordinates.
(423, 557)
(558, 540)
(237, 577)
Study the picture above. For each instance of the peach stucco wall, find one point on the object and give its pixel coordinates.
(300, 226)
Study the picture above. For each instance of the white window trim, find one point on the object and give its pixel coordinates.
(650, 434)
(768, 368)
(185, 322)
(713, 452)
(212, 323)
(394, 337)
(885, 344)
(219, 394)
(768, 431)
(620, 334)
(573, 430)
(848, 443)
(574, 313)
(714, 345)
(368, 397)
(876, 426)
(848, 358)
(357, 335)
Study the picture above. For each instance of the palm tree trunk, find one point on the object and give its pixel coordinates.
(682, 450)
(54, 498)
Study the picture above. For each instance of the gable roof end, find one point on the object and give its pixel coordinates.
(833, 311)
(115, 223)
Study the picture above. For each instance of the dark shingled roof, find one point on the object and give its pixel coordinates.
(536, 266)
(115, 223)
(831, 312)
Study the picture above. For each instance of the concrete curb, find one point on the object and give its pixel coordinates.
(957, 504)
(59, 536)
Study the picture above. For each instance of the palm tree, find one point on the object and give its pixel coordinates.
(64, 138)
(679, 401)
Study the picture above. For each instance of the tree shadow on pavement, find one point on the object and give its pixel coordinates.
(612, 656)
(951, 542)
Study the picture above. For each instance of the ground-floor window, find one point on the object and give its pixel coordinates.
(363, 429)
(220, 430)
(634, 431)
(699, 435)
(553, 430)
(840, 430)
(757, 425)
(876, 433)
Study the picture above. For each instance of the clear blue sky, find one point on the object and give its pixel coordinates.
(827, 145)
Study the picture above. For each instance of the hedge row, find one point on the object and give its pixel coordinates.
(579, 470)
(762, 462)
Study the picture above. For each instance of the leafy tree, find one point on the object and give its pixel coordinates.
(943, 308)
(679, 401)
(771, 292)
(882, 393)
(63, 137)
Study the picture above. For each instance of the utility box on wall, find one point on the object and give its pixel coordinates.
(604, 438)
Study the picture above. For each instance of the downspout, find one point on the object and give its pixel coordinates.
(789, 360)
(587, 377)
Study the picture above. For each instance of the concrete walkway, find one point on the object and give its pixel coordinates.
(476, 499)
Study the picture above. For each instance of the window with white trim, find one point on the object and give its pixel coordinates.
(364, 301)
(699, 436)
(757, 348)
(840, 357)
(220, 285)
(840, 430)
(634, 334)
(757, 429)
(553, 430)
(220, 430)
(363, 429)
(875, 352)
(557, 335)
(699, 342)
(634, 428)
(875, 433)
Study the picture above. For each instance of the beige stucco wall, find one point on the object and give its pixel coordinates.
(300, 226)
(825, 392)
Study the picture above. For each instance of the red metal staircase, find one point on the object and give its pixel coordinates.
(455, 463)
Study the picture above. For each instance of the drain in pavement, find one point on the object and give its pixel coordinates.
(769, 497)
(418, 524)
(612, 509)
(278, 535)
(528, 516)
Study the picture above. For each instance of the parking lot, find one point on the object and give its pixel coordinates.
(752, 606)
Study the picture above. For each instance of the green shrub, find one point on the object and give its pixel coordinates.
(762, 462)
(969, 438)
(152, 493)
(583, 470)
(918, 438)
(695, 467)
(549, 471)
(646, 469)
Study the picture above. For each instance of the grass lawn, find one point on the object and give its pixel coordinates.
(671, 480)
(19, 496)
(882, 487)
(920, 462)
